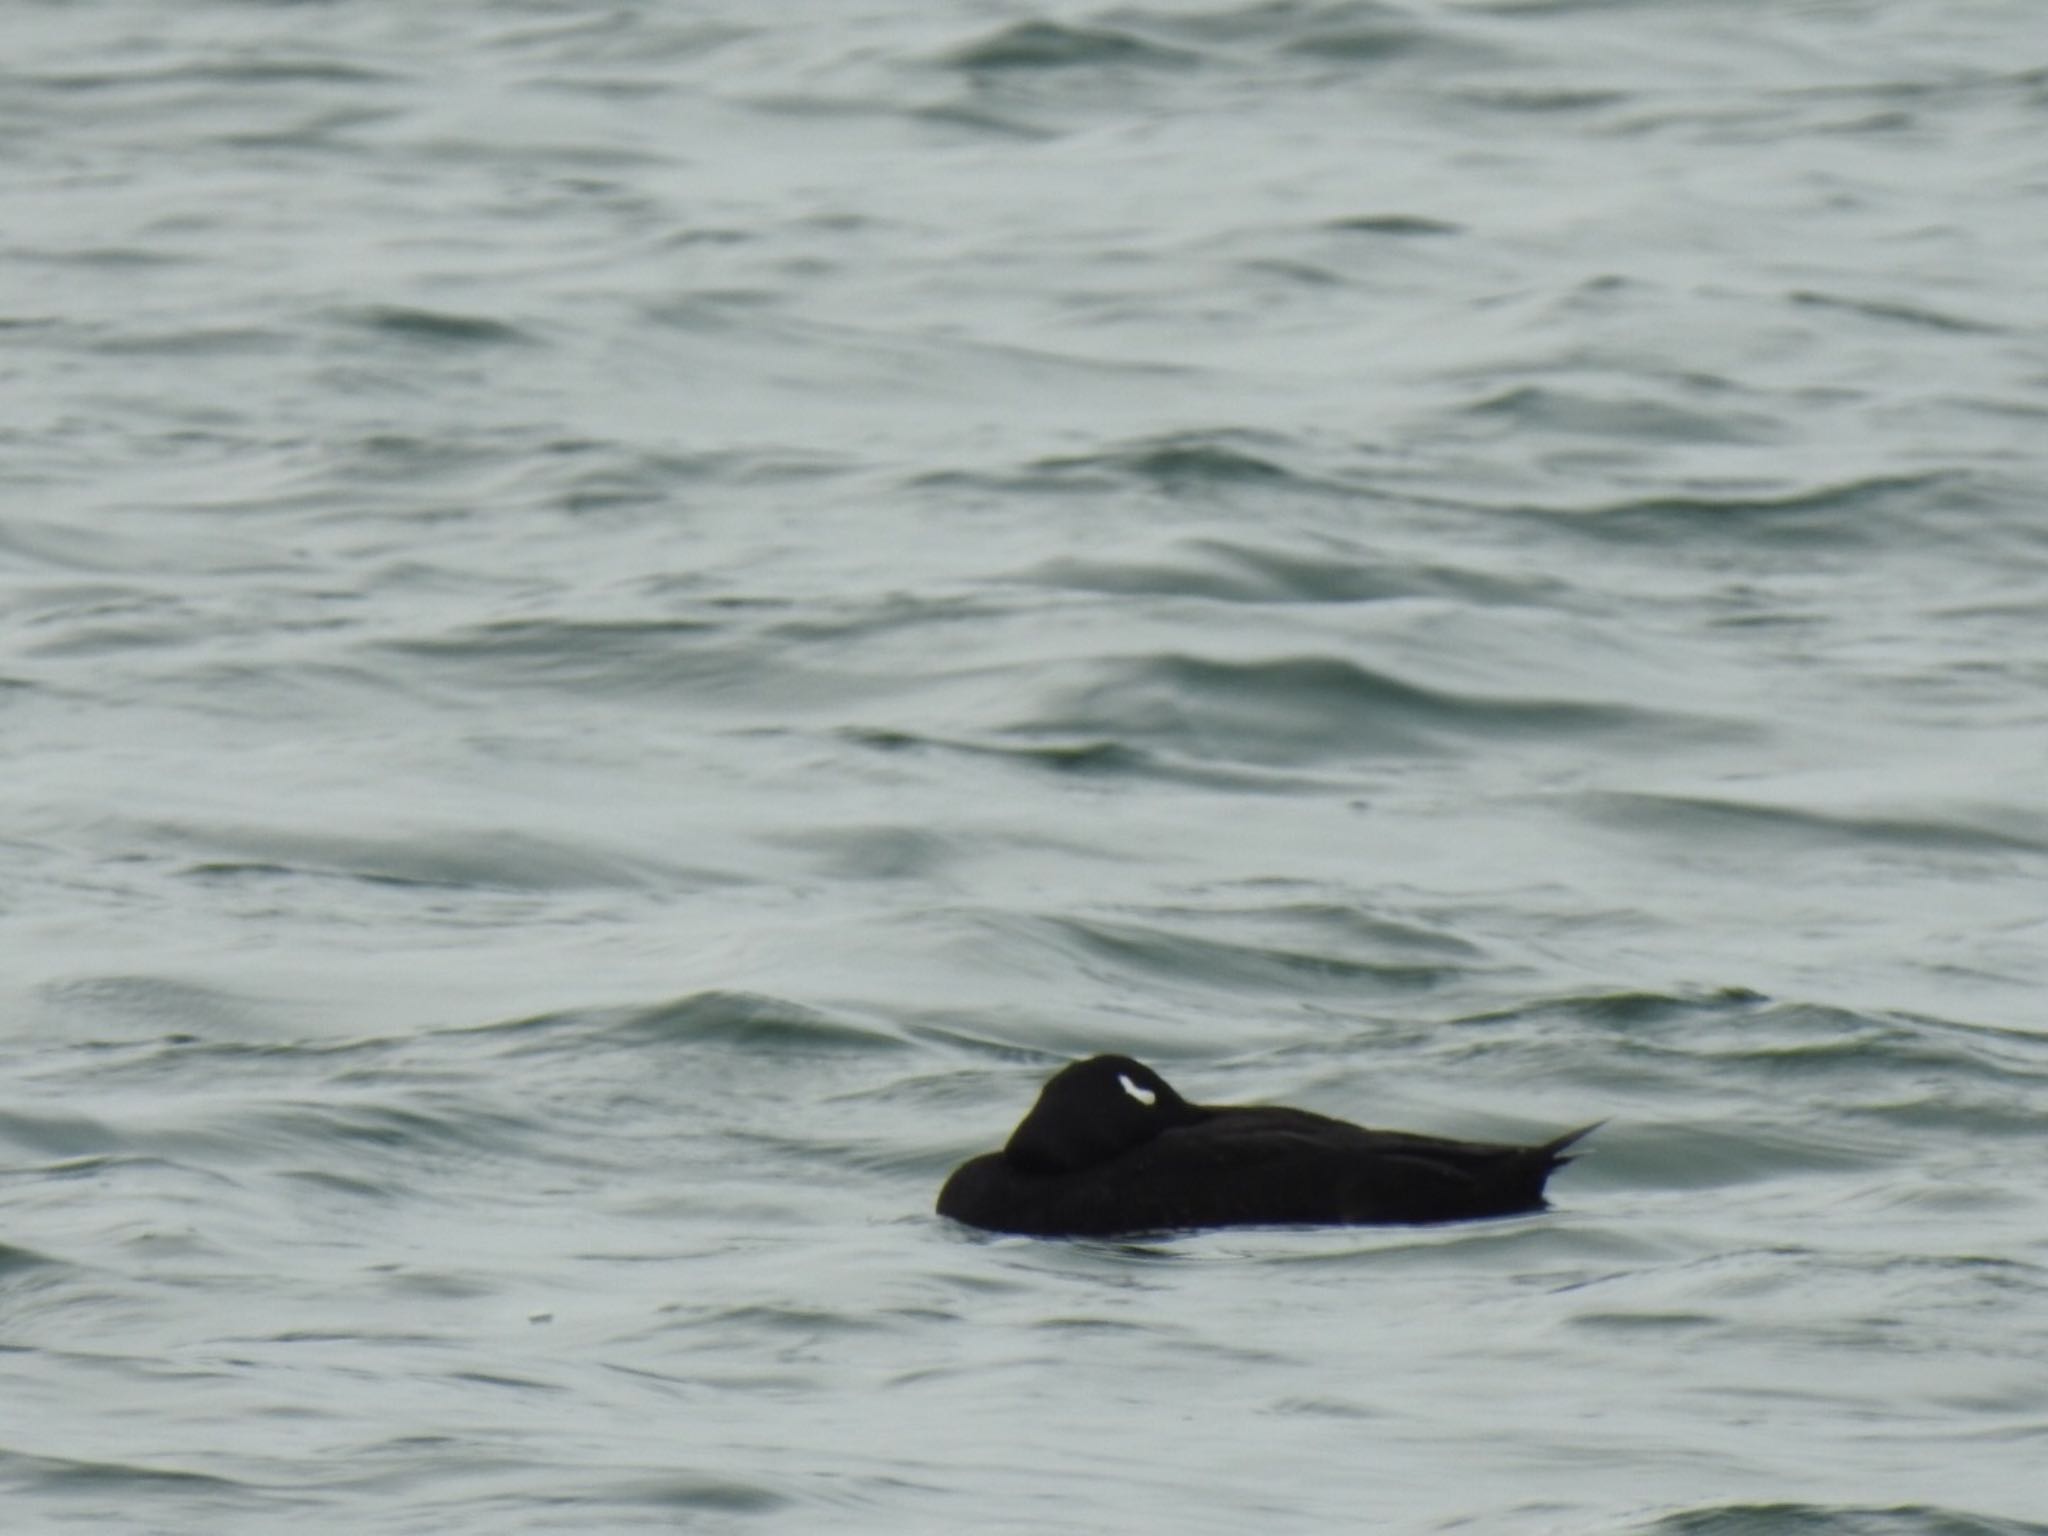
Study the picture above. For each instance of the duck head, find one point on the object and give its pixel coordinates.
(1093, 1111)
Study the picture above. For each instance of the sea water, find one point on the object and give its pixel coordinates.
(620, 624)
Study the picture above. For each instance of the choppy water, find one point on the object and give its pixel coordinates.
(620, 623)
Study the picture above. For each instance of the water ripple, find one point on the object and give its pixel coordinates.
(1304, 709)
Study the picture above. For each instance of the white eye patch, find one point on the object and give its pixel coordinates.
(1144, 1096)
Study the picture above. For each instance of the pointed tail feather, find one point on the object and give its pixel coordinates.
(1555, 1150)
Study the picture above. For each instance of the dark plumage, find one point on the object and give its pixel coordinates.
(1110, 1148)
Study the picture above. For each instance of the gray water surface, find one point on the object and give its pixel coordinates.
(621, 624)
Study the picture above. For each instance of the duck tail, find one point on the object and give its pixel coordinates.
(1554, 1151)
